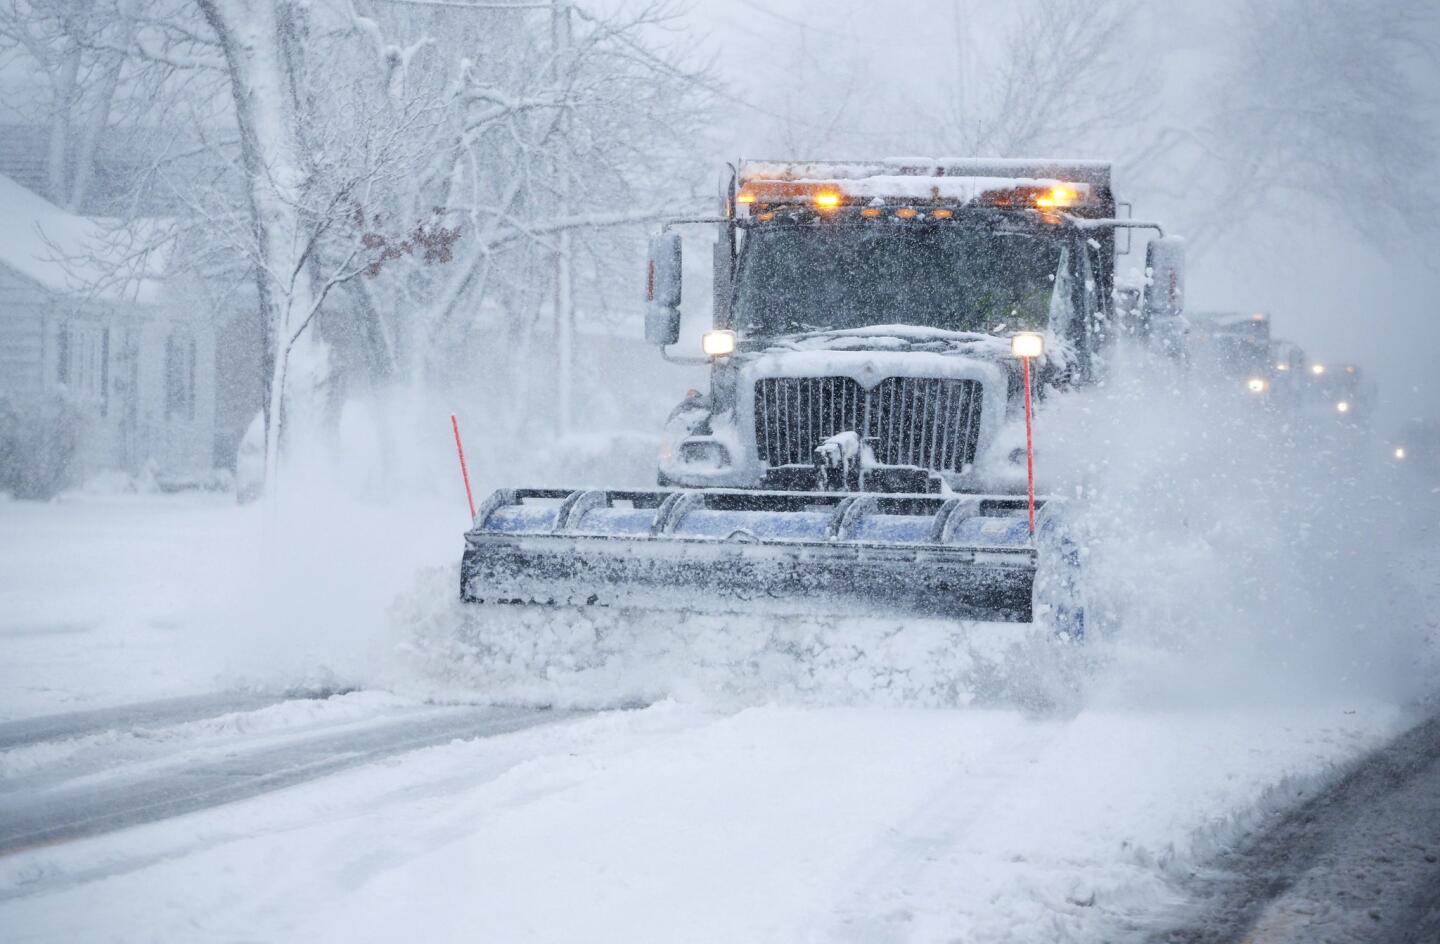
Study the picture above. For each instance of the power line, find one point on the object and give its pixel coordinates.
(459, 5)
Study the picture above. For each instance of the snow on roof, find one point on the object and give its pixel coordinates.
(67, 253)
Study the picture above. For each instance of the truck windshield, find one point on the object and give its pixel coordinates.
(801, 278)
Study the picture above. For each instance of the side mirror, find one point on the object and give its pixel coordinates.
(722, 284)
(1165, 288)
(662, 290)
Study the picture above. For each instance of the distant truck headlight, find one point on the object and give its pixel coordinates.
(1342, 406)
(718, 343)
(1400, 452)
(1257, 385)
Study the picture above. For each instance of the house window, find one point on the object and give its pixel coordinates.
(179, 377)
(82, 365)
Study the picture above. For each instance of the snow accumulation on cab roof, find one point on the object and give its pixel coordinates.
(1009, 169)
(949, 189)
(68, 253)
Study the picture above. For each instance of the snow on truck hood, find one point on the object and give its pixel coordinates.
(907, 339)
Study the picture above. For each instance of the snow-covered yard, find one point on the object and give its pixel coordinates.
(696, 818)
(97, 595)
(107, 598)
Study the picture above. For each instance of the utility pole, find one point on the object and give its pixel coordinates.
(564, 269)
(966, 70)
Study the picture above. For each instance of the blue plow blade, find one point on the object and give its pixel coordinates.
(800, 553)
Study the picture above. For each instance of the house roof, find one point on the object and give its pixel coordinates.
(71, 254)
(121, 182)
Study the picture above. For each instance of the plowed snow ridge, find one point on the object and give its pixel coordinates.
(119, 778)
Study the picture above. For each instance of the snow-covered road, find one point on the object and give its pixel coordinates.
(675, 822)
(702, 817)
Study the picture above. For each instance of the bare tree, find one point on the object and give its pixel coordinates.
(1057, 76)
(1332, 102)
(74, 51)
(541, 157)
(402, 179)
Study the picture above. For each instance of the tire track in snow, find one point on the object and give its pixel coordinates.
(93, 806)
(30, 731)
(888, 893)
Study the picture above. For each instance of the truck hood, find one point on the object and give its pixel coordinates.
(905, 339)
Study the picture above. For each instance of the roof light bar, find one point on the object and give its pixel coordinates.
(931, 193)
(1060, 195)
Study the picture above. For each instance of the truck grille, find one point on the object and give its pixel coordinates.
(923, 422)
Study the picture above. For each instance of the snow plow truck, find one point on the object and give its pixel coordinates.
(862, 448)
(1234, 349)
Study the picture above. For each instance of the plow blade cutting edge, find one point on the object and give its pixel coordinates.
(801, 553)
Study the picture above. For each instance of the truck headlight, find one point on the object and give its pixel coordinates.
(1027, 344)
(717, 343)
(1257, 385)
(1342, 406)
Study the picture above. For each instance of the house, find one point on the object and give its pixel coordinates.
(113, 341)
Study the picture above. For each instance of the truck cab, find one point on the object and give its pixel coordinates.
(1234, 350)
(864, 315)
(1341, 393)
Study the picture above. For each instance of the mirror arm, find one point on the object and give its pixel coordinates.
(665, 227)
(678, 359)
(1083, 222)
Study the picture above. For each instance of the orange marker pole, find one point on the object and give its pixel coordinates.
(465, 473)
(1029, 447)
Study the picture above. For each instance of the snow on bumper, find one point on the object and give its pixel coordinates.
(758, 552)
